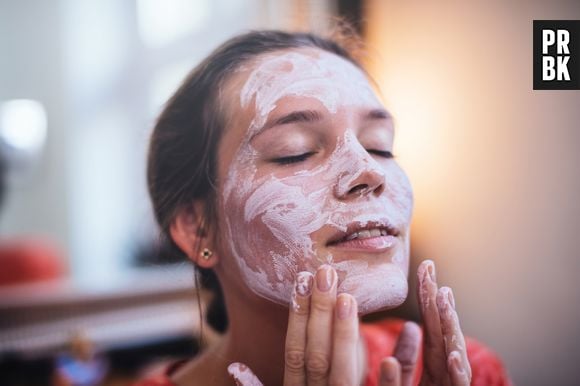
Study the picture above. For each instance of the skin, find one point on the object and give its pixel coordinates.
(315, 340)
(291, 210)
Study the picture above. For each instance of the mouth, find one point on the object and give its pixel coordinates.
(356, 233)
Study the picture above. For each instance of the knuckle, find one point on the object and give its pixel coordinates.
(408, 367)
(301, 309)
(321, 305)
(317, 365)
(294, 360)
(335, 381)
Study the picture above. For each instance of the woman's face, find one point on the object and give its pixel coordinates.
(306, 179)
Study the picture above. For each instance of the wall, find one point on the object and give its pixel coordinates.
(494, 165)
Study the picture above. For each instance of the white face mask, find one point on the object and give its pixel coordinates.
(277, 223)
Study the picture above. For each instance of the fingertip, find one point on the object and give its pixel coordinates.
(235, 369)
(345, 306)
(412, 333)
(243, 375)
(412, 327)
(445, 298)
(304, 283)
(300, 296)
(346, 295)
(421, 270)
(325, 279)
(390, 370)
(458, 373)
(427, 270)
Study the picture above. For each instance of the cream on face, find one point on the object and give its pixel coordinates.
(274, 221)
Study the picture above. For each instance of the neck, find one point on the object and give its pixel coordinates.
(256, 336)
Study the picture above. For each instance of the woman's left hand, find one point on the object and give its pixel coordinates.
(445, 360)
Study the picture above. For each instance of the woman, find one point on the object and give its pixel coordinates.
(272, 166)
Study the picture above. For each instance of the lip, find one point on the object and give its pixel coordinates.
(371, 244)
(339, 236)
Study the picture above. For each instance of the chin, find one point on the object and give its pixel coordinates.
(375, 288)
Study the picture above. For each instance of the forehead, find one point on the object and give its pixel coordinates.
(305, 72)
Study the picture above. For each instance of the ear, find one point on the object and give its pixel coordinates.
(188, 233)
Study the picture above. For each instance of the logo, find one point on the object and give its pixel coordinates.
(556, 55)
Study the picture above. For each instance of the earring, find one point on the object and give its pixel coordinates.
(206, 254)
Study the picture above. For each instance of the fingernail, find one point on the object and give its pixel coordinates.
(456, 361)
(431, 271)
(386, 374)
(343, 306)
(304, 281)
(451, 298)
(324, 278)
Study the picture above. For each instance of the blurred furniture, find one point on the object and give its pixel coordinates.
(134, 319)
(29, 260)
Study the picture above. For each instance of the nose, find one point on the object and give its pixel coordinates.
(364, 177)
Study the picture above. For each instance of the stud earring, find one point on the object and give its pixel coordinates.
(206, 254)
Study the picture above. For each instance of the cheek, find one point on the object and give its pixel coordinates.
(269, 226)
(400, 192)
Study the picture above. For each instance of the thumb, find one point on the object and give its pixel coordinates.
(243, 375)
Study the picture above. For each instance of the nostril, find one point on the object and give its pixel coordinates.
(360, 188)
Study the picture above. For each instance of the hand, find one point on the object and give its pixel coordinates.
(330, 354)
(444, 352)
(322, 336)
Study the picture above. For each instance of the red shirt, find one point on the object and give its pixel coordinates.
(381, 338)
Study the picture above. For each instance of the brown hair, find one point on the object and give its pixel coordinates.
(183, 147)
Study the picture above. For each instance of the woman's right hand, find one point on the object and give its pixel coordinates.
(322, 340)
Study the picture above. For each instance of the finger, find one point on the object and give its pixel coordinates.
(294, 370)
(407, 351)
(452, 334)
(390, 372)
(345, 339)
(457, 373)
(242, 375)
(319, 330)
(434, 348)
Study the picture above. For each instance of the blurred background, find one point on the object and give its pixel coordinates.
(494, 165)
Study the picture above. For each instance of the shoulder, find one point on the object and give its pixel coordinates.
(381, 337)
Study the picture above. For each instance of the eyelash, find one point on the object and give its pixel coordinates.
(303, 157)
(292, 159)
(381, 153)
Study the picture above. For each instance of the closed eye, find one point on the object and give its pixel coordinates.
(381, 153)
(292, 159)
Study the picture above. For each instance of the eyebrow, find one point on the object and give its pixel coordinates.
(310, 116)
(378, 114)
(296, 116)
